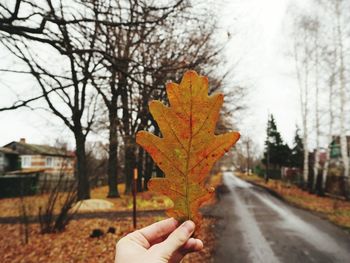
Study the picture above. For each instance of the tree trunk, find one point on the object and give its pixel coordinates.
(81, 172)
(129, 161)
(113, 155)
(329, 141)
(248, 155)
(148, 171)
(331, 122)
(267, 172)
(317, 115)
(140, 168)
(129, 142)
(306, 158)
(325, 172)
(159, 172)
(303, 84)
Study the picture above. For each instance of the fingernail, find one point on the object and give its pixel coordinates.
(189, 226)
(177, 223)
(201, 245)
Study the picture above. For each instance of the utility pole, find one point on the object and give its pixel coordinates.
(267, 163)
(134, 191)
(268, 151)
(248, 155)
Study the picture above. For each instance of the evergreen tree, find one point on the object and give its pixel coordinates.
(277, 153)
(297, 156)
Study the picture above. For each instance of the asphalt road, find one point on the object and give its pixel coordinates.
(255, 226)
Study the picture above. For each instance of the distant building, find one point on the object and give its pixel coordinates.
(335, 150)
(34, 157)
(9, 160)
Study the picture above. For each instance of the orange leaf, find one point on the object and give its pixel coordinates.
(189, 148)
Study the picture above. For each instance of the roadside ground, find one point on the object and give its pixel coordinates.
(75, 244)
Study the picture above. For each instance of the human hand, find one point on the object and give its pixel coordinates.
(160, 242)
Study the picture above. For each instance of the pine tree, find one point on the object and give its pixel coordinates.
(297, 155)
(277, 153)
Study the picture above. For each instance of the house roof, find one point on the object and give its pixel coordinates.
(8, 151)
(336, 139)
(27, 148)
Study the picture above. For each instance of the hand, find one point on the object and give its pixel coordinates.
(160, 242)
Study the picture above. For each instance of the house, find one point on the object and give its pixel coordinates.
(34, 157)
(9, 160)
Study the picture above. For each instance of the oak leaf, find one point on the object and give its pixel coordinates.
(188, 148)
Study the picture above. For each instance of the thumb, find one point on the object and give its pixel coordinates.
(176, 239)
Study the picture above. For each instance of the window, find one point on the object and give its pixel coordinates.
(49, 162)
(2, 159)
(26, 161)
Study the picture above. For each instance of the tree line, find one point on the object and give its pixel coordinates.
(320, 48)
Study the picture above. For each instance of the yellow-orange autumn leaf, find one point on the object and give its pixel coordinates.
(188, 148)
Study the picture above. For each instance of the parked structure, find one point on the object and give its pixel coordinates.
(336, 181)
(33, 157)
(335, 147)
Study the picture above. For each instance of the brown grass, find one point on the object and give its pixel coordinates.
(145, 201)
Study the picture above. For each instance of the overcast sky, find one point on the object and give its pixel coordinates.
(262, 41)
(258, 41)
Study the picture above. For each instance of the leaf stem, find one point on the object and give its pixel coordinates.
(188, 157)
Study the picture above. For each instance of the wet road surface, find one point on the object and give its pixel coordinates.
(255, 226)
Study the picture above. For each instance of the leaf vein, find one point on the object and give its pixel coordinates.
(198, 163)
(168, 158)
(180, 103)
(172, 130)
(207, 117)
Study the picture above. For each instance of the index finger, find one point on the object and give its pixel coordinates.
(159, 229)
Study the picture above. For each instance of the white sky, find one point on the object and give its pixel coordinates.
(258, 42)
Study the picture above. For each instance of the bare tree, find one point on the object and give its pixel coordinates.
(69, 29)
(65, 91)
(342, 86)
(315, 34)
(331, 67)
(119, 45)
(302, 52)
(147, 65)
(23, 212)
